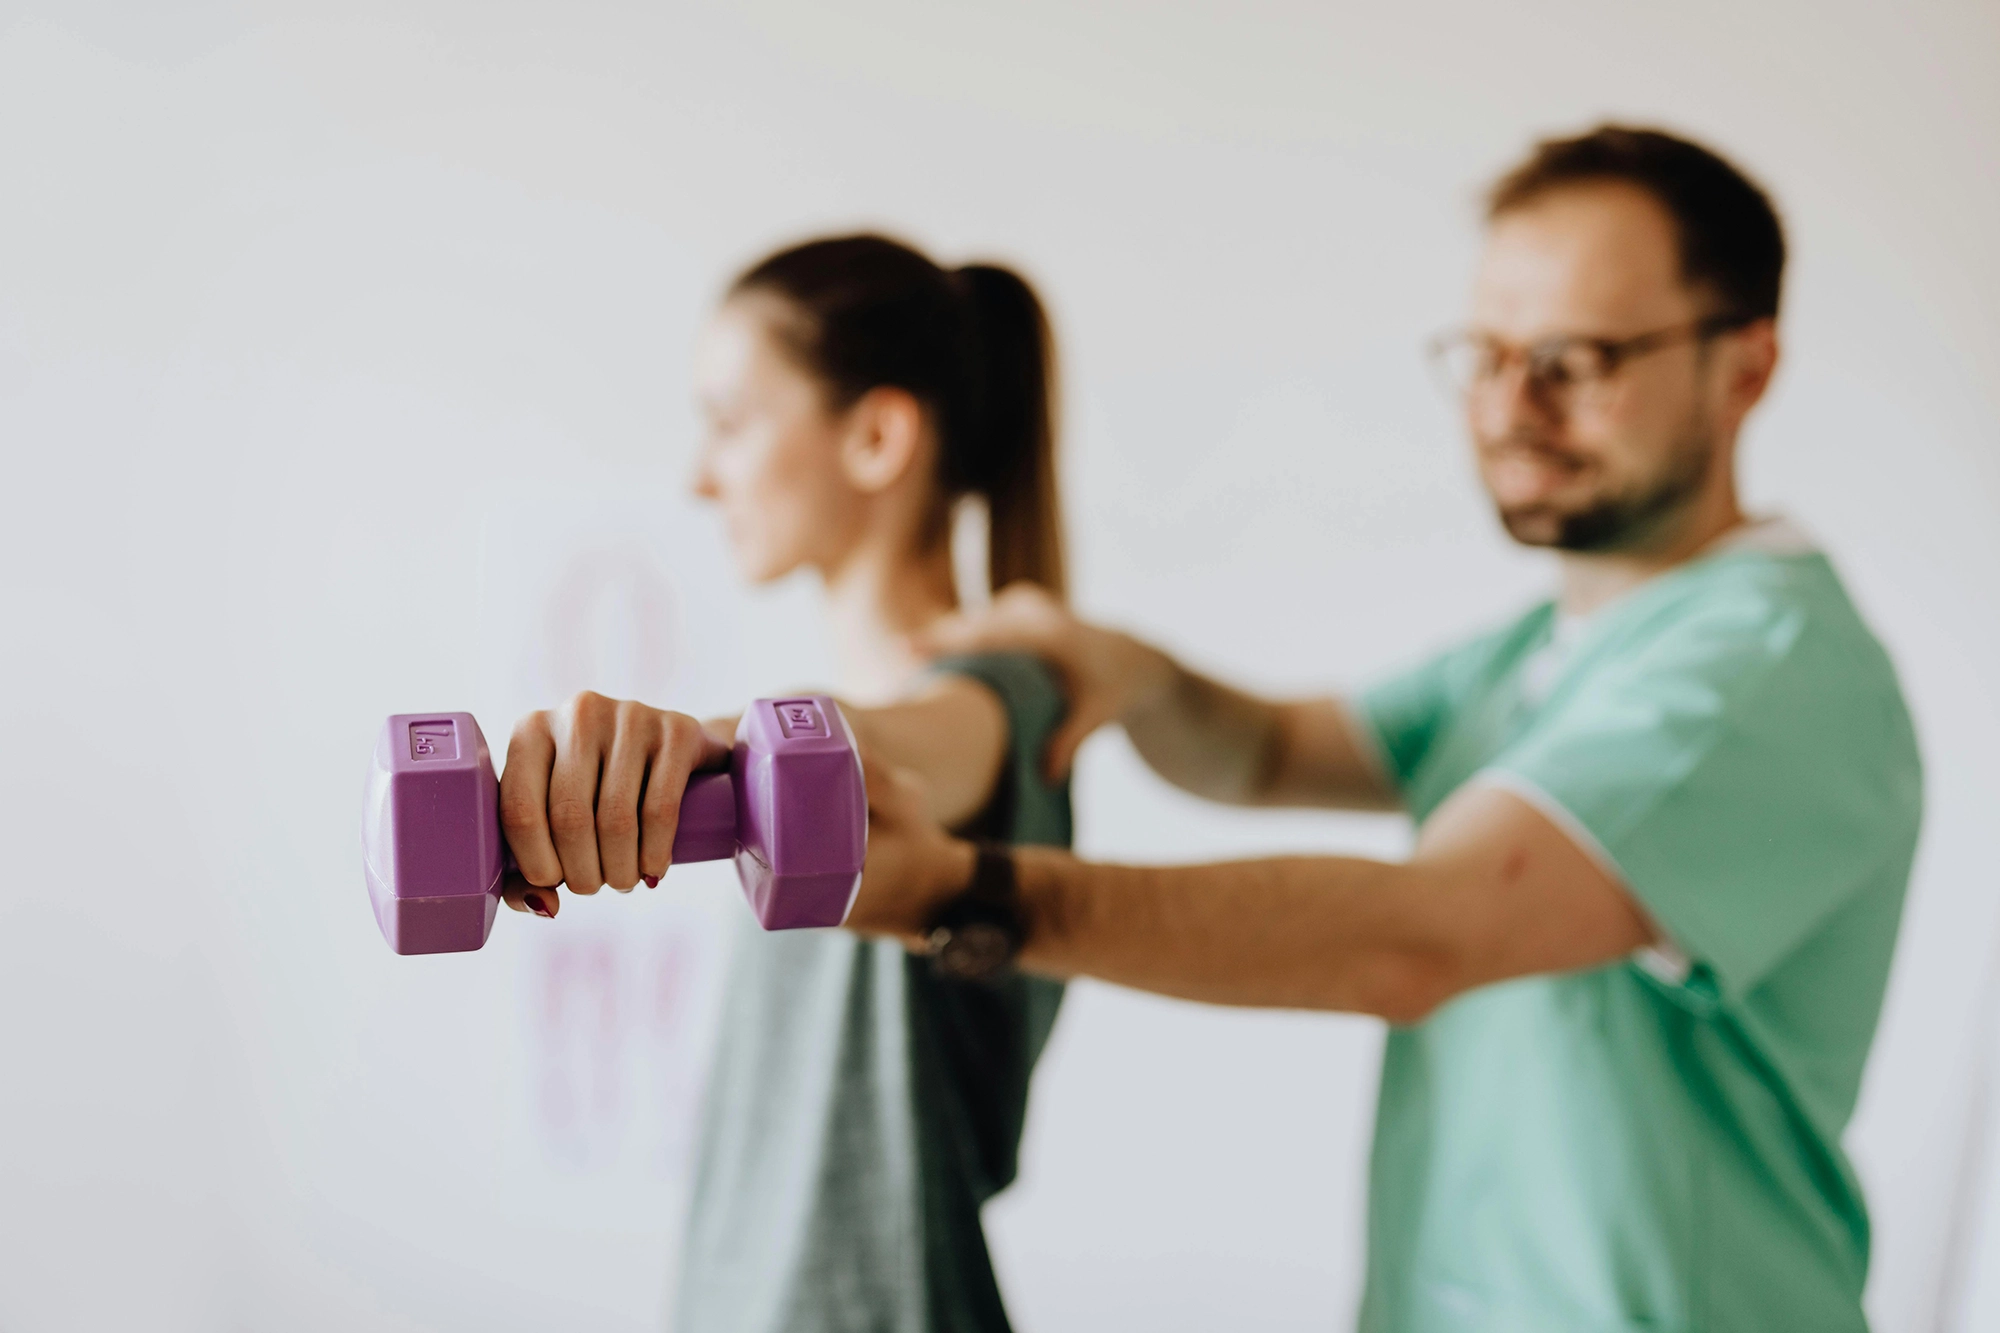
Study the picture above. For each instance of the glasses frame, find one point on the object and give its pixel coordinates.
(1540, 357)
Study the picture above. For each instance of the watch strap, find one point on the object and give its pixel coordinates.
(977, 934)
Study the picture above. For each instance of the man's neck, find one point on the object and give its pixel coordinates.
(1591, 579)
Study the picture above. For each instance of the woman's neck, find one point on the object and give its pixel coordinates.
(875, 599)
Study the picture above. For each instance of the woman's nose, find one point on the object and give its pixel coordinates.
(702, 481)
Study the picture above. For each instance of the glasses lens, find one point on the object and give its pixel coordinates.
(1571, 363)
(1462, 361)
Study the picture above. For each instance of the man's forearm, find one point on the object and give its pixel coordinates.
(1335, 933)
(1225, 745)
(1495, 889)
(1203, 736)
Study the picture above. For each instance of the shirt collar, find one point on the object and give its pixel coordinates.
(1773, 535)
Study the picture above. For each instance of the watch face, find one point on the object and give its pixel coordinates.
(976, 950)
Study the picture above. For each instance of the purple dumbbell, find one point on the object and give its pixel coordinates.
(791, 810)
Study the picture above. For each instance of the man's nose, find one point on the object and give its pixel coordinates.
(1511, 402)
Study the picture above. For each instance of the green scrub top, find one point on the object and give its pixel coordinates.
(1655, 1144)
(860, 1108)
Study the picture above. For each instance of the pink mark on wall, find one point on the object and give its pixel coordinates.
(616, 994)
(580, 1033)
(674, 987)
(610, 623)
(617, 1042)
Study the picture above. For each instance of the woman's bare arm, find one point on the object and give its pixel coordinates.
(952, 733)
(591, 792)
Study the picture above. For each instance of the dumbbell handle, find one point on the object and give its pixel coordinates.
(707, 828)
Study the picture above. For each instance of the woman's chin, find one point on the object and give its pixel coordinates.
(758, 569)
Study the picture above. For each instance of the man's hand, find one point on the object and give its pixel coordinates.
(913, 865)
(591, 795)
(1106, 674)
(1199, 734)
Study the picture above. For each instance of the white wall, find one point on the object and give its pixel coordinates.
(338, 342)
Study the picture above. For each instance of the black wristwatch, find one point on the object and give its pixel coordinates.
(979, 932)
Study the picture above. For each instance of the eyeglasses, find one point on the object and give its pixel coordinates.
(1560, 371)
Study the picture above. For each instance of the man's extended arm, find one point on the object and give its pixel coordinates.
(1197, 733)
(1494, 890)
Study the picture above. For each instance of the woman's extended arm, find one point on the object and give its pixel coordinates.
(952, 733)
(591, 792)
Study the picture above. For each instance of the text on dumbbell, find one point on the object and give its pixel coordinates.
(433, 740)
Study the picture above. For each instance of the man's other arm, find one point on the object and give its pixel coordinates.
(1493, 890)
(1199, 734)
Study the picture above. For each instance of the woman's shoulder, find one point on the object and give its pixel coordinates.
(1027, 806)
(1028, 687)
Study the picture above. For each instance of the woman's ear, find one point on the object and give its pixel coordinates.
(881, 439)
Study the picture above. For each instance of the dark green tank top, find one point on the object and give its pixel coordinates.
(860, 1109)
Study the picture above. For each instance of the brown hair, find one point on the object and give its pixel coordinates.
(1731, 242)
(973, 345)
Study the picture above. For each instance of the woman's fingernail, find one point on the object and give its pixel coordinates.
(652, 881)
(535, 904)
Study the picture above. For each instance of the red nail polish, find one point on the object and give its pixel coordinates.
(652, 881)
(534, 902)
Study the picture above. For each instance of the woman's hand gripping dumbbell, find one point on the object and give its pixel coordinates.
(604, 792)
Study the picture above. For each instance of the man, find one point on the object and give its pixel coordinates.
(1665, 822)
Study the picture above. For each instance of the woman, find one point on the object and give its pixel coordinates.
(861, 1107)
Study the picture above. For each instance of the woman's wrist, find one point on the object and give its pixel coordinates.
(951, 876)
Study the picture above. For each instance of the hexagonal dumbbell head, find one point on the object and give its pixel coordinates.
(430, 833)
(801, 812)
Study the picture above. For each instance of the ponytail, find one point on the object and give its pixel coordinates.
(1008, 454)
(974, 346)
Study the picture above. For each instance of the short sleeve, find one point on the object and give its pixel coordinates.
(1745, 772)
(1407, 713)
(1027, 807)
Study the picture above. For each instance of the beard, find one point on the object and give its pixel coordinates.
(1622, 519)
